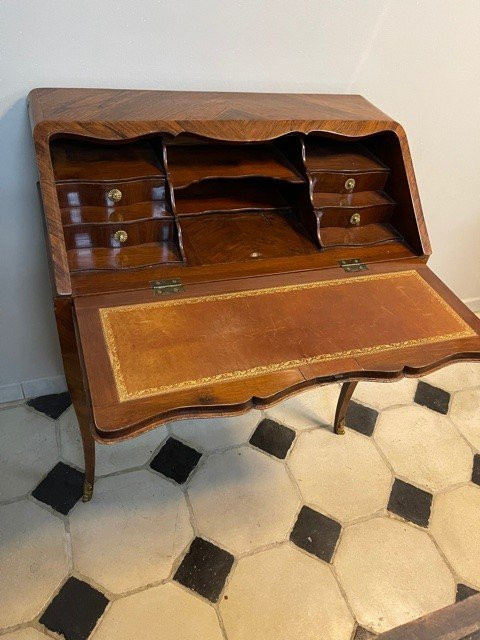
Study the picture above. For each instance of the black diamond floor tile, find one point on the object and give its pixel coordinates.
(176, 460)
(61, 488)
(363, 634)
(204, 569)
(360, 418)
(316, 533)
(273, 438)
(464, 592)
(432, 397)
(74, 611)
(410, 502)
(52, 405)
(476, 469)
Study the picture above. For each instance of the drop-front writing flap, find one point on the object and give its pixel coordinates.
(230, 345)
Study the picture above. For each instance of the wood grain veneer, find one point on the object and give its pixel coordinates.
(136, 212)
(220, 195)
(101, 258)
(240, 237)
(344, 235)
(324, 155)
(76, 160)
(188, 165)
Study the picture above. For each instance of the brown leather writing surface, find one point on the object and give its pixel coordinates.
(188, 342)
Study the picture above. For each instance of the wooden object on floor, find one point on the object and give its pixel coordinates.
(460, 621)
(213, 252)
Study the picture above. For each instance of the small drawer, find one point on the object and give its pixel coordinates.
(343, 167)
(356, 209)
(354, 220)
(367, 235)
(347, 182)
(128, 213)
(354, 216)
(110, 194)
(83, 236)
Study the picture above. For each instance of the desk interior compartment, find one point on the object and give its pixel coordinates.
(240, 237)
(114, 205)
(221, 194)
(349, 187)
(241, 202)
(191, 163)
(343, 167)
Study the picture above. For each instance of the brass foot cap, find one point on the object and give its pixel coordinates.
(87, 491)
(340, 430)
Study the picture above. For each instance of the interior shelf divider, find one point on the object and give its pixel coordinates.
(190, 164)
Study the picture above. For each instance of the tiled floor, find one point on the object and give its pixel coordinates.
(261, 527)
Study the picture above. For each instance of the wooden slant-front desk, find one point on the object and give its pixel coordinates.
(214, 252)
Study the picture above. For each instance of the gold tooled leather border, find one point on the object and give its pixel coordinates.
(125, 395)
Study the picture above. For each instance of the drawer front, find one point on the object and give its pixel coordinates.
(110, 194)
(367, 235)
(354, 216)
(83, 236)
(348, 182)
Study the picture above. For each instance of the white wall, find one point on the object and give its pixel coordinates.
(417, 60)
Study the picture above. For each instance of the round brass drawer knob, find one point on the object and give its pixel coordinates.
(355, 219)
(121, 236)
(350, 184)
(115, 195)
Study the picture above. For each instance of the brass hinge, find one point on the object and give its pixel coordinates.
(353, 265)
(162, 287)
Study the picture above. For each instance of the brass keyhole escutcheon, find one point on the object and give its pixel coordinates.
(121, 236)
(355, 219)
(350, 184)
(115, 195)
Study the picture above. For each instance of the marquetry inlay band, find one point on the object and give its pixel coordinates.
(126, 391)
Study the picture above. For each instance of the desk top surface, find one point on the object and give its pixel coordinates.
(116, 105)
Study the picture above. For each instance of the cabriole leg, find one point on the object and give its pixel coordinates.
(89, 456)
(346, 393)
(76, 386)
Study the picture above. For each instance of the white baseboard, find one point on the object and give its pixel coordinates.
(56, 384)
(43, 386)
(473, 304)
(11, 393)
(32, 389)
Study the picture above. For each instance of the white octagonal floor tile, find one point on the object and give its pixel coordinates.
(210, 434)
(109, 458)
(391, 573)
(132, 531)
(381, 395)
(465, 413)
(242, 499)
(454, 377)
(455, 525)
(281, 594)
(28, 450)
(308, 409)
(33, 560)
(423, 447)
(166, 612)
(28, 633)
(343, 476)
